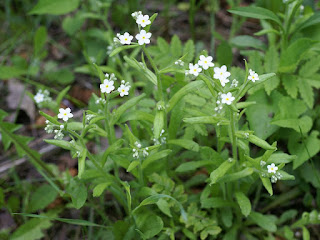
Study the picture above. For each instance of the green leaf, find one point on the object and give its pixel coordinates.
(78, 193)
(176, 119)
(224, 53)
(42, 197)
(303, 148)
(7, 72)
(247, 41)
(267, 185)
(73, 24)
(154, 157)
(152, 18)
(215, 202)
(158, 124)
(122, 48)
(188, 51)
(164, 207)
(62, 76)
(260, 142)
(31, 229)
(142, 69)
(112, 148)
(60, 143)
(149, 224)
(278, 158)
(313, 20)
(98, 190)
(57, 7)
(304, 123)
(175, 47)
(193, 165)
(62, 94)
(133, 165)
(82, 163)
(265, 222)
(306, 92)
(162, 45)
(290, 83)
(124, 107)
(190, 87)
(136, 115)
(244, 203)
(256, 12)
(207, 120)
(237, 175)
(291, 56)
(40, 40)
(221, 171)
(185, 143)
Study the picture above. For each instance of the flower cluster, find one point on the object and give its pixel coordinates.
(137, 152)
(42, 97)
(56, 129)
(143, 36)
(108, 86)
(204, 62)
(162, 139)
(272, 169)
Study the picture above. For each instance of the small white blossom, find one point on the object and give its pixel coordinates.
(59, 135)
(126, 38)
(234, 83)
(143, 20)
(143, 37)
(39, 97)
(179, 62)
(61, 127)
(222, 74)
(135, 15)
(227, 98)
(65, 114)
(145, 152)
(272, 168)
(262, 163)
(194, 69)
(274, 179)
(123, 90)
(205, 62)
(253, 76)
(107, 86)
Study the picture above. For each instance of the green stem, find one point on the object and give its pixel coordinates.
(141, 173)
(233, 137)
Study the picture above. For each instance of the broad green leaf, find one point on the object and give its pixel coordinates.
(7, 72)
(31, 229)
(190, 87)
(185, 143)
(82, 163)
(78, 193)
(72, 24)
(304, 123)
(158, 123)
(291, 56)
(188, 51)
(60, 143)
(260, 115)
(154, 157)
(124, 107)
(149, 224)
(256, 12)
(152, 18)
(221, 171)
(310, 67)
(244, 203)
(247, 41)
(133, 165)
(303, 148)
(260, 142)
(40, 39)
(193, 165)
(98, 190)
(164, 207)
(176, 119)
(120, 49)
(224, 53)
(57, 7)
(42, 197)
(62, 94)
(175, 47)
(216, 202)
(313, 20)
(267, 184)
(115, 146)
(237, 175)
(278, 158)
(206, 120)
(162, 45)
(263, 221)
(291, 84)
(306, 92)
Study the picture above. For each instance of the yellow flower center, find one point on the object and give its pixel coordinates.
(126, 39)
(194, 70)
(65, 114)
(143, 21)
(271, 169)
(227, 99)
(221, 73)
(107, 86)
(144, 37)
(205, 62)
(122, 90)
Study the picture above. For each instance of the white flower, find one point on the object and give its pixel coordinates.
(222, 74)
(143, 37)
(107, 86)
(65, 114)
(123, 90)
(194, 69)
(61, 127)
(143, 20)
(272, 168)
(39, 97)
(205, 62)
(126, 38)
(253, 76)
(227, 98)
(135, 15)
